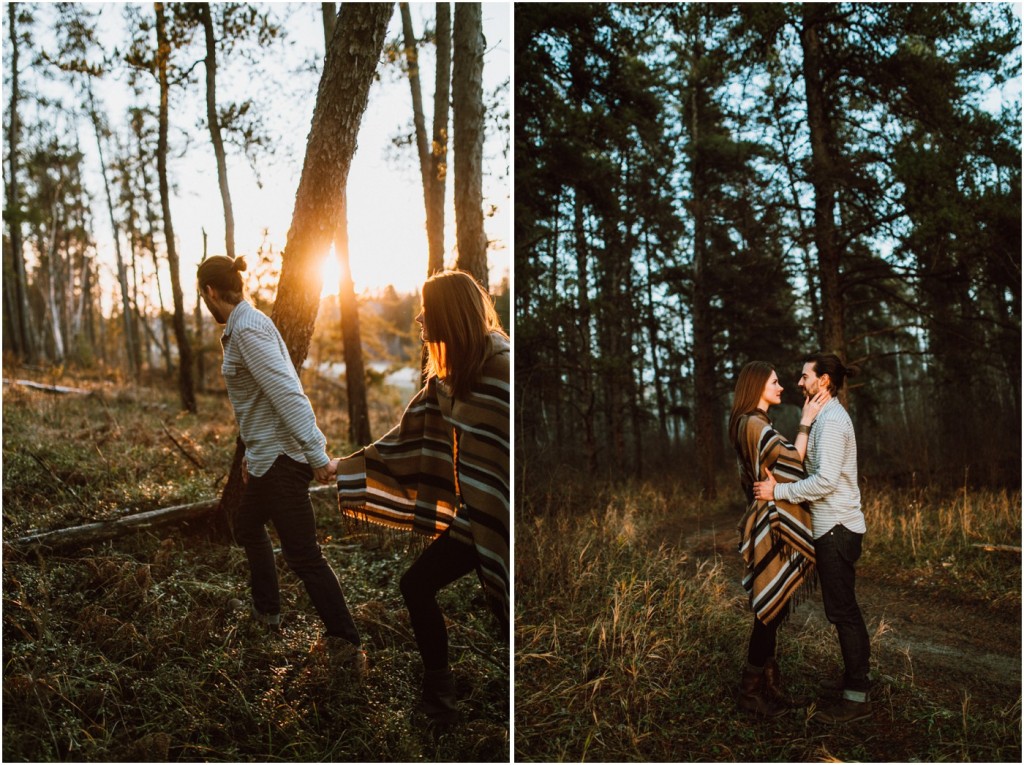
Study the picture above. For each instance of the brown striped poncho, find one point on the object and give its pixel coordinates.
(776, 541)
(407, 479)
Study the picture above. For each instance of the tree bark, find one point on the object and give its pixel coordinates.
(185, 383)
(428, 171)
(355, 372)
(439, 142)
(823, 174)
(214, 124)
(703, 332)
(341, 99)
(348, 308)
(23, 317)
(131, 337)
(468, 123)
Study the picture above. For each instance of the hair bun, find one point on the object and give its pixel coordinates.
(239, 263)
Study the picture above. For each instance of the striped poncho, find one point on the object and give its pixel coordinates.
(407, 479)
(775, 537)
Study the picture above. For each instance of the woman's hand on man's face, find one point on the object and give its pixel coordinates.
(814, 405)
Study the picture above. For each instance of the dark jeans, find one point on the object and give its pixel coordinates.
(444, 561)
(281, 495)
(763, 639)
(837, 551)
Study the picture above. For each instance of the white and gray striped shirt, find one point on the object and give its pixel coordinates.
(274, 416)
(831, 464)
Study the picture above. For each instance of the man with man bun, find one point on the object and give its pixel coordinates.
(284, 450)
(838, 527)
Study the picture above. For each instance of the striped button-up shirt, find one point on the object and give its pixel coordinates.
(274, 416)
(831, 465)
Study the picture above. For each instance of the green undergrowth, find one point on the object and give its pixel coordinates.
(629, 645)
(138, 650)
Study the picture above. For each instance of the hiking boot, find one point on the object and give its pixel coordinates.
(753, 698)
(773, 690)
(845, 711)
(439, 699)
(271, 621)
(836, 683)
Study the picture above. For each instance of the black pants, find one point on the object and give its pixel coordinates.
(837, 551)
(281, 495)
(444, 561)
(763, 639)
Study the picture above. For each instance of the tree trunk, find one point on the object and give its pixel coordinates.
(198, 318)
(823, 174)
(348, 307)
(341, 99)
(355, 373)
(22, 313)
(585, 355)
(131, 338)
(185, 384)
(468, 100)
(149, 243)
(703, 332)
(214, 123)
(652, 335)
(352, 56)
(427, 153)
(329, 15)
(439, 143)
(53, 284)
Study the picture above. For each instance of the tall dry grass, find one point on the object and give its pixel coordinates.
(967, 541)
(631, 630)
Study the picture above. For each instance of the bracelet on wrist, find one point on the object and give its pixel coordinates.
(805, 429)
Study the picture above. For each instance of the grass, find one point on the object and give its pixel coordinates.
(629, 642)
(132, 650)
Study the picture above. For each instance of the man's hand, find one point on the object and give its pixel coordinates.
(765, 490)
(245, 470)
(325, 474)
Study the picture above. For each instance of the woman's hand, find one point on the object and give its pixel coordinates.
(814, 405)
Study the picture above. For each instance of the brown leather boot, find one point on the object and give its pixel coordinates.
(773, 688)
(752, 696)
(439, 701)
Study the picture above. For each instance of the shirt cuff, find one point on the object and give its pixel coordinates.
(318, 459)
(782, 491)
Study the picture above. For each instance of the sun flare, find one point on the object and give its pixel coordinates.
(330, 273)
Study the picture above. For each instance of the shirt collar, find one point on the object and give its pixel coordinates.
(233, 317)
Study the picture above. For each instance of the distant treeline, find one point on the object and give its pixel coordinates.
(702, 184)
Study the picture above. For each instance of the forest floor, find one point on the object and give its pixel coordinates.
(141, 648)
(652, 643)
(959, 650)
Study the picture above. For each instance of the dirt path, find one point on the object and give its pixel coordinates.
(952, 648)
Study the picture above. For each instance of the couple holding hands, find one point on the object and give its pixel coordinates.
(443, 471)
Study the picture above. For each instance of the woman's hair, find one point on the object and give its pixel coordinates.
(459, 317)
(830, 364)
(224, 274)
(749, 389)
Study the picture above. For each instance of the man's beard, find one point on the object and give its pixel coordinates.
(217, 316)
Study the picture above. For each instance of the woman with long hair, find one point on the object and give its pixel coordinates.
(775, 537)
(443, 471)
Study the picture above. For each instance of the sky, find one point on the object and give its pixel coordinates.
(387, 237)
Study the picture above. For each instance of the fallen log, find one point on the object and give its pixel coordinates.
(100, 531)
(48, 388)
(996, 548)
